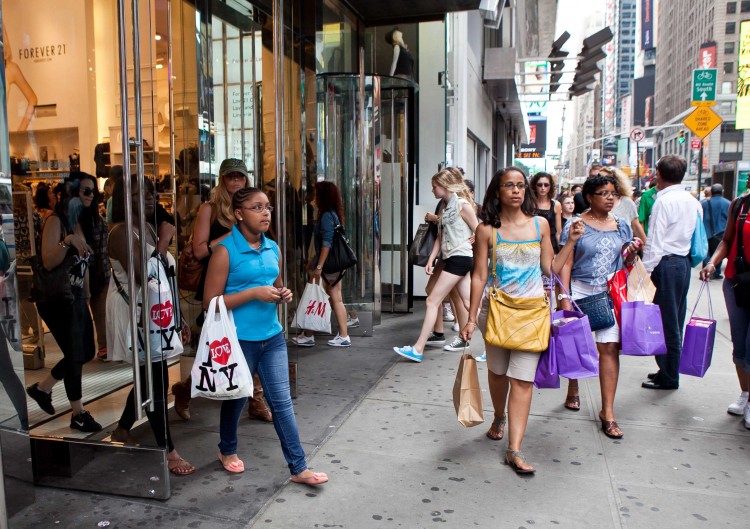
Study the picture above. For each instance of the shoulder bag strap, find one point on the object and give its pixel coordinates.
(493, 257)
(740, 230)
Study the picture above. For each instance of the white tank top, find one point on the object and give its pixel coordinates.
(455, 233)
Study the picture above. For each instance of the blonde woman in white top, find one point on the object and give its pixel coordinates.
(454, 241)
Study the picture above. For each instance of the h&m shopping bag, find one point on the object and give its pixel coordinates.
(220, 370)
(641, 332)
(698, 343)
(467, 394)
(314, 310)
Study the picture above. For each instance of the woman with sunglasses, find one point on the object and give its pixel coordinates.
(597, 255)
(542, 187)
(69, 320)
(625, 207)
(214, 221)
(246, 270)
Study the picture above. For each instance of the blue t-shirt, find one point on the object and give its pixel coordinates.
(248, 268)
(598, 253)
(715, 212)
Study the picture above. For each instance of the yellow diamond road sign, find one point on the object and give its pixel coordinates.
(702, 121)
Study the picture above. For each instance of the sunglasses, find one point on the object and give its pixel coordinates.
(87, 191)
(542, 184)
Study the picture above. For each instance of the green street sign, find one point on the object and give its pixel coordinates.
(704, 86)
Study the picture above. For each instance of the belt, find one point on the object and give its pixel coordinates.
(674, 256)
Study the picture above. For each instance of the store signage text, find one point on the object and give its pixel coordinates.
(42, 53)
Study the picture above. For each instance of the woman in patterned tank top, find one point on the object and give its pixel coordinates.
(524, 253)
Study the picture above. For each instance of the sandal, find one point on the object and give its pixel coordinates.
(573, 402)
(315, 479)
(496, 431)
(235, 466)
(510, 459)
(180, 467)
(611, 429)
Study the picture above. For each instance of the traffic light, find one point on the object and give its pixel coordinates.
(587, 68)
(681, 137)
(556, 67)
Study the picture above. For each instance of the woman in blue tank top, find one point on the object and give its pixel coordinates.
(245, 268)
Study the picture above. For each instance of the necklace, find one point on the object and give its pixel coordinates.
(597, 219)
(255, 246)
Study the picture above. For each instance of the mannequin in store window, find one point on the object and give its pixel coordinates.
(14, 76)
(402, 64)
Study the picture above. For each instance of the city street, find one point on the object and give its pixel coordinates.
(397, 457)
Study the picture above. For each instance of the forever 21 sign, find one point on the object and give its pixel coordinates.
(42, 53)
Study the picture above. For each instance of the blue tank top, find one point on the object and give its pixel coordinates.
(248, 268)
(517, 265)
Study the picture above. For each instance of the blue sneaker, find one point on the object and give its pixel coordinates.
(409, 352)
(482, 357)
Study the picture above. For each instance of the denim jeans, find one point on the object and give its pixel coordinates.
(267, 358)
(672, 280)
(739, 328)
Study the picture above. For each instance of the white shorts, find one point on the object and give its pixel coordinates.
(578, 290)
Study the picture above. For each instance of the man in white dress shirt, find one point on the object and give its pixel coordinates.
(667, 259)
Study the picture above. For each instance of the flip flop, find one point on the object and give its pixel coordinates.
(180, 467)
(317, 478)
(235, 466)
(573, 402)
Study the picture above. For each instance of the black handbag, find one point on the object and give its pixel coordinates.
(741, 280)
(598, 308)
(51, 285)
(421, 246)
(341, 256)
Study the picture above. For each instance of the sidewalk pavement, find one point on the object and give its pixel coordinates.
(385, 431)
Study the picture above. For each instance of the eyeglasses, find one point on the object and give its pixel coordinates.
(542, 184)
(510, 185)
(607, 194)
(87, 191)
(236, 177)
(258, 208)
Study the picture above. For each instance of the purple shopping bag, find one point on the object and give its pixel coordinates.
(573, 343)
(641, 330)
(546, 370)
(698, 342)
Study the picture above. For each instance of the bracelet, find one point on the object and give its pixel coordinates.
(62, 243)
(471, 323)
(710, 263)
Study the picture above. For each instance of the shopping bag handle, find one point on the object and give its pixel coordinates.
(704, 288)
(556, 279)
(641, 278)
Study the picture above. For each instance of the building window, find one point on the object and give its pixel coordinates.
(728, 67)
(726, 87)
(730, 28)
(729, 48)
(745, 7)
(731, 7)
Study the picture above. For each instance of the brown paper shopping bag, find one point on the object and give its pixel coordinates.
(467, 395)
(640, 286)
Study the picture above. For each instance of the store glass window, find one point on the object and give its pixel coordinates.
(336, 39)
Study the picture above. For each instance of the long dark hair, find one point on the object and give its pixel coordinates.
(328, 198)
(119, 196)
(41, 198)
(492, 208)
(70, 209)
(538, 176)
(90, 216)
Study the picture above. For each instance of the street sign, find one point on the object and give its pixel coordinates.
(704, 86)
(695, 144)
(702, 121)
(637, 134)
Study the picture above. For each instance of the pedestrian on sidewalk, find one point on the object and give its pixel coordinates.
(667, 259)
(523, 253)
(454, 241)
(542, 189)
(118, 316)
(330, 214)
(215, 219)
(597, 255)
(738, 302)
(715, 213)
(246, 269)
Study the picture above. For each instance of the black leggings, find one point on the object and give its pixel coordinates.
(71, 326)
(157, 418)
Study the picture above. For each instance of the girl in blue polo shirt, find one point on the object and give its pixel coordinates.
(245, 267)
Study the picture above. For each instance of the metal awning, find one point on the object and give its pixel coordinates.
(382, 12)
